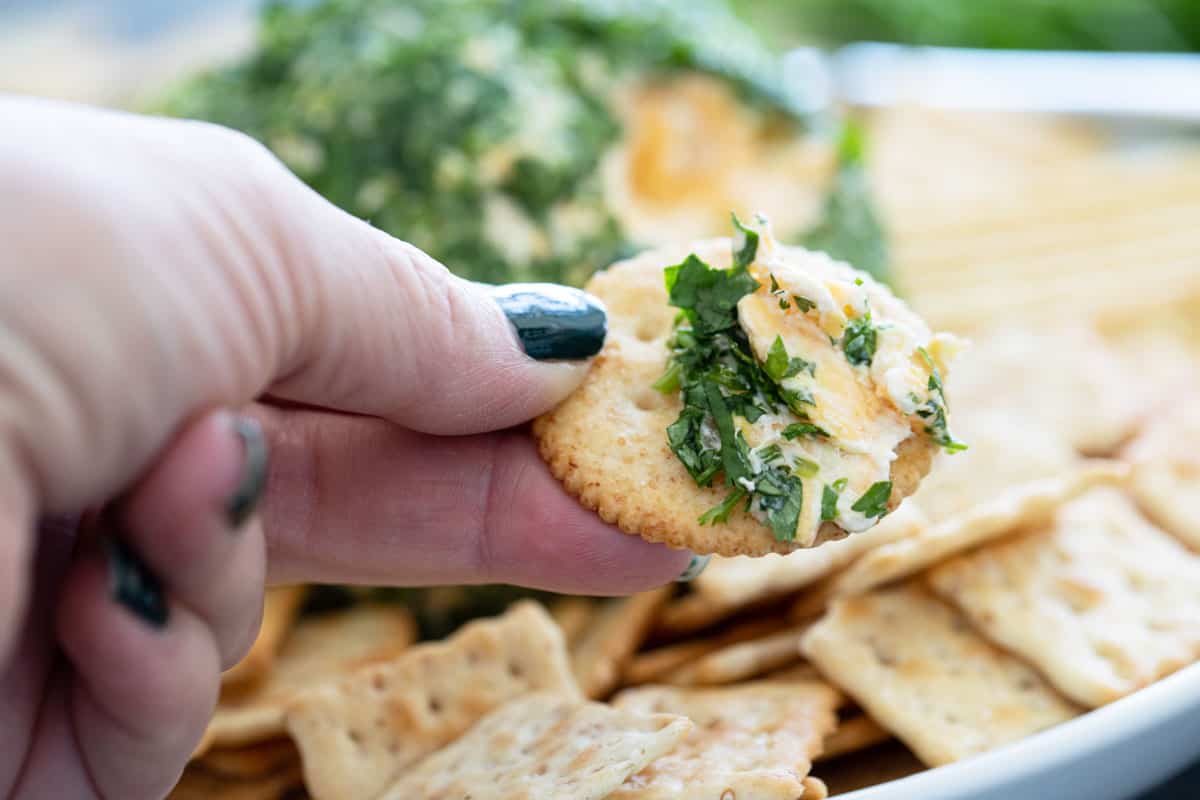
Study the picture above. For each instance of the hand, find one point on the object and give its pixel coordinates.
(163, 287)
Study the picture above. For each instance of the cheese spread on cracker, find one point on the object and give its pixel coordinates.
(799, 377)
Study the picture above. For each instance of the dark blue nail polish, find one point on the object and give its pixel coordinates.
(254, 471)
(554, 322)
(133, 585)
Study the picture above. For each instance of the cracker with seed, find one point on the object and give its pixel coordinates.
(318, 649)
(852, 734)
(281, 604)
(756, 740)
(1068, 378)
(740, 661)
(574, 615)
(1166, 468)
(544, 746)
(359, 732)
(652, 665)
(616, 632)
(918, 669)
(1099, 600)
(607, 442)
(1020, 506)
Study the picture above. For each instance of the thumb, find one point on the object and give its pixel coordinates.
(384, 329)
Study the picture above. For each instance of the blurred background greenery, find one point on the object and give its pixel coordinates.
(1137, 25)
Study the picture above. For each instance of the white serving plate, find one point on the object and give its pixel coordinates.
(1111, 753)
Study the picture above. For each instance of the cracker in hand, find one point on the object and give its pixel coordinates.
(751, 398)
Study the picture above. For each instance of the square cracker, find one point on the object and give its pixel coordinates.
(734, 582)
(603, 652)
(651, 665)
(919, 670)
(1099, 600)
(1068, 378)
(741, 660)
(318, 649)
(607, 442)
(1006, 448)
(1166, 468)
(756, 740)
(358, 733)
(1019, 506)
(544, 746)
(281, 605)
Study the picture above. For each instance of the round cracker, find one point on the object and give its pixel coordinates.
(607, 442)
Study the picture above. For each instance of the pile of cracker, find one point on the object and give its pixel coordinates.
(1049, 570)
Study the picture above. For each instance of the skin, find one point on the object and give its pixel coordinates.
(156, 277)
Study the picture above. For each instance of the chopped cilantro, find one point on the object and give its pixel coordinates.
(669, 382)
(934, 410)
(860, 340)
(770, 453)
(829, 499)
(840, 484)
(721, 511)
(796, 399)
(783, 304)
(803, 303)
(874, 501)
(780, 497)
(708, 296)
(745, 245)
(798, 429)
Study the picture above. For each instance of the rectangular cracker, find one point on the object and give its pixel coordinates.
(857, 732)
(915, 666)
(1099, 600)
(317, 650)
(650, 665)
(1166, 468)
(743, 660)
(740, 580)
(358, 733)
(616, 632)
(1006, 449)
(756, 741)
(281, 605)
(544, 746)
(1020, 506)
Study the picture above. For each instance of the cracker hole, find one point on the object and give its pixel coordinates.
(515, 670)
(648, 330)
(435, 705)
(648, 400)
(378, 683)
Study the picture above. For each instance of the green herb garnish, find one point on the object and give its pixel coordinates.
(803, 303)
(874, 501)
(829, 500)
(798, 429)
(934, 410)
(860, 340)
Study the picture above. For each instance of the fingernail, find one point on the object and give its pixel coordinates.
(134, 586)
(694, 568)
(554, 322)
(254, 471)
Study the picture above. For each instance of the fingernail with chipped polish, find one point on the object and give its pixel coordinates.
(554, 322)
(255, 458)
(694, 568)
(133, 585)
